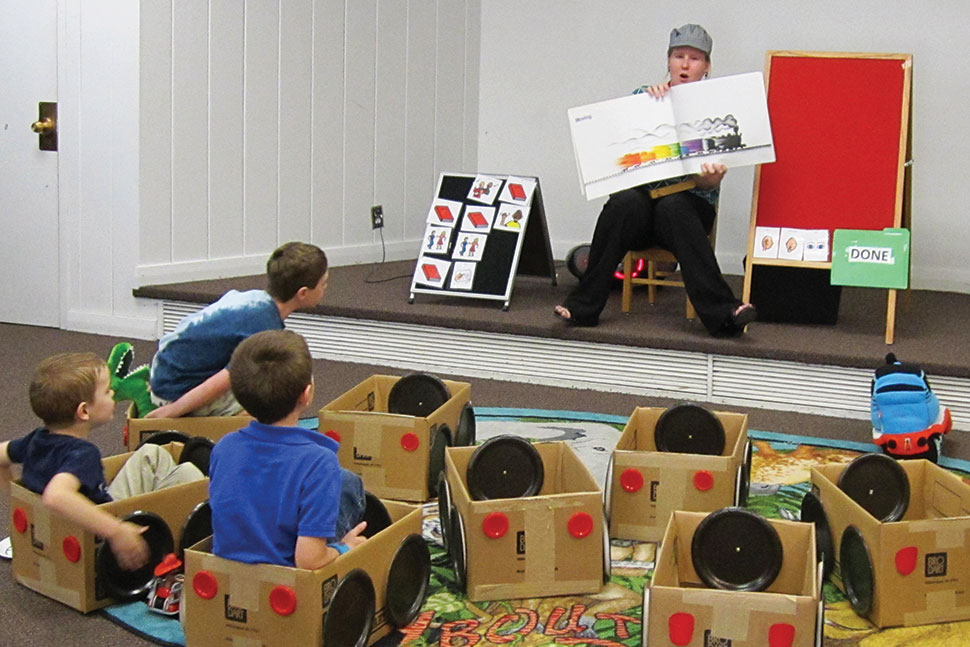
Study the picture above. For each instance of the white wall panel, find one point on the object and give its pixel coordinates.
(359, 108)
(155, 133)
(289, 120)
(327, 190)
(390, 115)
(450, 87)
(296, 69)
(420, 125)
(261, 142)
(225, 128)
(190, 150)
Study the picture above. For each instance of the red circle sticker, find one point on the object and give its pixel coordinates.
(580, 525)
(495, 525)
(409, 441)
(333, 434)
(205, 585)
(20, 520)
(72, 548)
(283, 600)
(631, 479)
(703, 480)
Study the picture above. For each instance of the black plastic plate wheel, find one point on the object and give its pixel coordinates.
(857, 572)
(877, 483)
(124, 584)
(350, 614)
(407, 581)
(417, 394)
(736, 550)
(689, 429)
(504, 467)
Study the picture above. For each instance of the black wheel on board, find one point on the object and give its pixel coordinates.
(440, 440)
(411, 299)
(812, 511)
(459, 559)
(123, 584)
(879, 484)
(197, 526)
(744, 477)
(444, 510)
(466, 431)
(417, 394)
(407, 581)
(857, 572)
(608, 491)
(689, 429)
(607, 558)
(197, 451)
(375, 514)
(350, 614)
(504, 467)
(736, 550)
(165, 437)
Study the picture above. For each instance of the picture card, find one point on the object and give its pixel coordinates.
(469, 247)
(766, 242)
(444, 212)
(485, 189)
(436, 239)
(478, 219)
(518, 190)
(817, 246)
(463, 276)
(431, 271)
(791, 244)
(511, 217)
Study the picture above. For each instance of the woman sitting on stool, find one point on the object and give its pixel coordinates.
(679, 222)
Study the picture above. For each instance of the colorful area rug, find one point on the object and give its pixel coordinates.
(613, 617)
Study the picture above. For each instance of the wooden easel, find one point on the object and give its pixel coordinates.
(841, 125)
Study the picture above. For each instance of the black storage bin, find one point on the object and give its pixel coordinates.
(794, 295)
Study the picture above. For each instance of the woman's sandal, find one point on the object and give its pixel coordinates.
(562, 313)
(745, 314)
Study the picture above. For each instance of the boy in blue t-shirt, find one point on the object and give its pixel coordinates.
(70, 393)
(188, 374)
(277, 493)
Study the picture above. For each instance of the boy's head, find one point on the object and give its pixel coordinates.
(269, 372)
(293, 266)
(63, 382)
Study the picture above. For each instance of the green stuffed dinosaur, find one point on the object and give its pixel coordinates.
(128, 384)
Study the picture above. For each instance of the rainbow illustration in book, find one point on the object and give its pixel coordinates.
(713, 135)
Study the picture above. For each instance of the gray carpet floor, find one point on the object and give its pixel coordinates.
(29, 618)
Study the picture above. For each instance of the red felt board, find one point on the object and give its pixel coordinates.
(838, 125)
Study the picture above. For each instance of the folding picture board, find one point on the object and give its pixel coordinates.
(841, 125)
(480, 231)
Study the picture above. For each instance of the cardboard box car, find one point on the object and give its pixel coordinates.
(920, 565)
(553, 543)
(680, 610)
(138, 430)
(55, 557)
(228, 602)
(394, 454)
(645, 485)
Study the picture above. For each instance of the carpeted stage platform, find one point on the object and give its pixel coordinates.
(930, 326)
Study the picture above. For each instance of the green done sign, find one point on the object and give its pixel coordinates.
(871, 259)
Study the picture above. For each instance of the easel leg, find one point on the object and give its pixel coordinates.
(891, 316)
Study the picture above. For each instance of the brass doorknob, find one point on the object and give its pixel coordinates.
(44, 126)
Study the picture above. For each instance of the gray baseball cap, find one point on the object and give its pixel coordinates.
(691, 36)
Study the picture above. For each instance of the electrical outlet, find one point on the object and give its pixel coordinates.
(376, 217)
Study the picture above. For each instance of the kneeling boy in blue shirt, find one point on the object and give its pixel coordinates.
(277, 493)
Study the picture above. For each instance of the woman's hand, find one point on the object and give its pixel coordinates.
(710, 176)
(658, 91)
